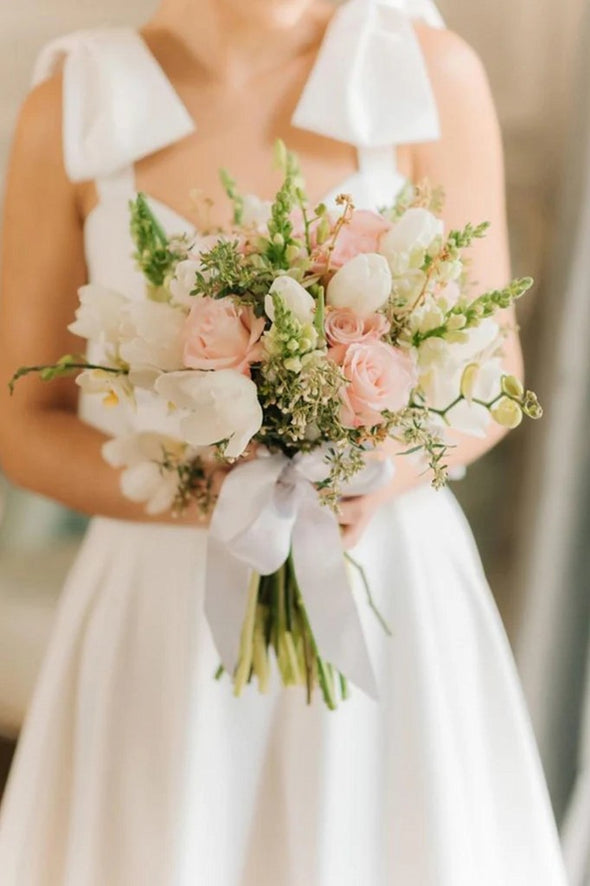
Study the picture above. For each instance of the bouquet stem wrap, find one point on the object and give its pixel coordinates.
(268, 512)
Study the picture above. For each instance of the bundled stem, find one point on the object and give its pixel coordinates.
(276, 619)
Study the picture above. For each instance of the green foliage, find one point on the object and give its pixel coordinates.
(154, 255)
(194, 482)
(230, 188)
(467, 314)
(226, 271)
(280, 226)
(463, 238)
(67, 365)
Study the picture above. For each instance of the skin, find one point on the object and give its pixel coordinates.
(240, 78)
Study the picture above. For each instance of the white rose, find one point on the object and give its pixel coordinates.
(99, 315)
(295, 298)
(256, 212)
(142, 478)
(363, 284)
(415, 230)
(152, 334)
(183, 282)
(221, 405)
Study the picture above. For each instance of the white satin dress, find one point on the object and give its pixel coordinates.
(136, 768)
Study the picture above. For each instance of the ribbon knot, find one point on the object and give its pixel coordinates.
(267, 509)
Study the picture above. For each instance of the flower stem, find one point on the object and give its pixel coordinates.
(370, 599)
(323, 668)
(244, 667)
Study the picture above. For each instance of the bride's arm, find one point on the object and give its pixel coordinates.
(468, 163)
(43, 445)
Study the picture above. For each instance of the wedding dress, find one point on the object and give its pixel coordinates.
(135, 767)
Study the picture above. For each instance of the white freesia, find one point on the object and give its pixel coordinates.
(152, 334)
(415, 231)
(114, 387)
(255, 212)
(99, 314)
(363, 284)
(143, 479)
(295, 298)
(220, 405)
(442, 355)
(442, 366)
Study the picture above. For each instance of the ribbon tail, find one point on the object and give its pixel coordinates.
(226, 580)
(324, 584)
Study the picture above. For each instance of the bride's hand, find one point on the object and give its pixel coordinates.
(217, 472)
(354, 515)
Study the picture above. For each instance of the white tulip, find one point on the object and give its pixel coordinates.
(221, 405)
(415, 230)
(295, 298)
(99, 314)
(363, 284)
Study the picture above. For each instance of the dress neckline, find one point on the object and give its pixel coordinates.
(162, 206)
(151, 56)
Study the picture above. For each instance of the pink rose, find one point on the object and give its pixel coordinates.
(344, 327)
(219, 334)
(380, 378)
(361, 234)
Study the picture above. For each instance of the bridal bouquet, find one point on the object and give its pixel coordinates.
(292, 345)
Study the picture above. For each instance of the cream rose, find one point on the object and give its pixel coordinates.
(363, 284)
(343, 327)
(219, 334)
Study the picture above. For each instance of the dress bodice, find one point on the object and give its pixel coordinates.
(369, 87)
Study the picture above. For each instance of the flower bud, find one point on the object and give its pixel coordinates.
(531, 406)
(292, 252)
(456, 322)
(323, 231)
(512, 387)
(468, 380)
(507, 413)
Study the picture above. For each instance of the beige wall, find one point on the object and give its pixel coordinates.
(26, 25)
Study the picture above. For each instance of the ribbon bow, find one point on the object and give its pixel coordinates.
(268, 508)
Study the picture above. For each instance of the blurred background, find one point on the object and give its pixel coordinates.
(529, 500)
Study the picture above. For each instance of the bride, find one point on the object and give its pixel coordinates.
(134, 767)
